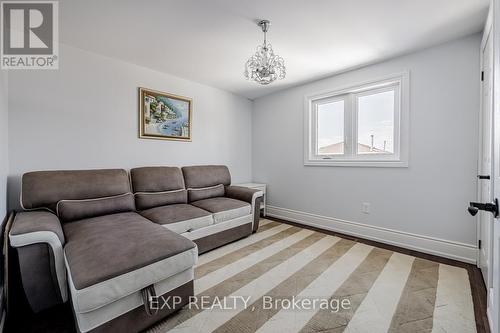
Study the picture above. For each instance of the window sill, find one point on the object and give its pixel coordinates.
(354, 163)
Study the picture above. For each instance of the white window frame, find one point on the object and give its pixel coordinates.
(350, 95)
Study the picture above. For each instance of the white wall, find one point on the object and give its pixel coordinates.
(85, 115)
(4, 146)
(429, 198)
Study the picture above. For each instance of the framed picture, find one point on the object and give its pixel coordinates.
(164, 116)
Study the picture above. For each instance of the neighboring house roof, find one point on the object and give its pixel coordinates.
(338, 148)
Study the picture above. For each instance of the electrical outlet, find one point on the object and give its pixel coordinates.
(366, 208)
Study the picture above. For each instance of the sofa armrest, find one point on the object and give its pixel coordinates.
(243, 193)
(252, 196)
(32, 232)
(36, 227)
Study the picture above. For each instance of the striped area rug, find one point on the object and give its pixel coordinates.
(343, 286)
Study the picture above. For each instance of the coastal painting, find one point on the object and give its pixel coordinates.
(164, 116)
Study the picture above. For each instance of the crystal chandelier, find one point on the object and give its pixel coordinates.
(264, 66)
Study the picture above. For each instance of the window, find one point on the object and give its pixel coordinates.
(376, 122)
(331, 128)
(363, 125)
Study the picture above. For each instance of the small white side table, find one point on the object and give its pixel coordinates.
(260, 187)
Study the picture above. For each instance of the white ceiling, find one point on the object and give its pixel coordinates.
(209, 41)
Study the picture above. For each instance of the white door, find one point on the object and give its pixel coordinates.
(494, 290)
(485, 219)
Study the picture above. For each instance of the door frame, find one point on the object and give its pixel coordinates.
(493, 305)
(487, 32)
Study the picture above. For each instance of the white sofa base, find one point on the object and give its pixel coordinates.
(218, 227)
(92, 319)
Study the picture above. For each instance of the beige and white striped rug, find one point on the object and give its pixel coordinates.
(288, 279)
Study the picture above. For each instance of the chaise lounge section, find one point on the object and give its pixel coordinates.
(104, 253)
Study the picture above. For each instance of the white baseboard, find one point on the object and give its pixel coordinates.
(439, 247)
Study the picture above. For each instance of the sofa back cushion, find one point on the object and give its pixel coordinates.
(145, 200)
(156, 179)
(44, 189)
(157, 186)
(195, 194)
(73, 210)
(206, 176)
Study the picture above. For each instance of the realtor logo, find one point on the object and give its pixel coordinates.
(30, 35)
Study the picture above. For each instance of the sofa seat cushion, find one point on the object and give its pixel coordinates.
(110, 257)
(180, 217)
(224, 209)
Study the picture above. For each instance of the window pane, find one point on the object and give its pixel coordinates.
(376, 123)
(331, 128)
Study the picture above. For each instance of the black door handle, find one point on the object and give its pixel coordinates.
(492, 207)
(483, 176)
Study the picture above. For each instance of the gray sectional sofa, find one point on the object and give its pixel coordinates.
(108, 240)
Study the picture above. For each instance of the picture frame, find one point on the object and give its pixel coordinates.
(164, 116)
